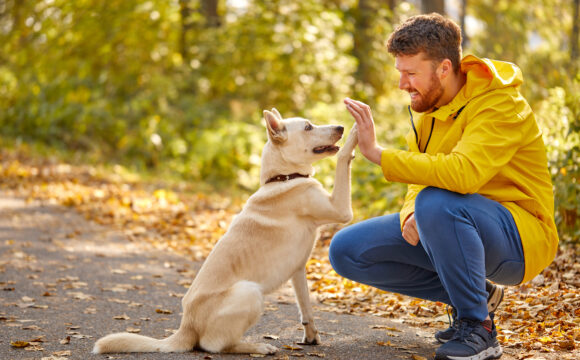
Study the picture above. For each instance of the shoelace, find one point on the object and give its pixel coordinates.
(451, 322)
(465, 329)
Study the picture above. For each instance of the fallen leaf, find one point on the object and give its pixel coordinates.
(80, 296)
(292, 347)
(121, 317)
(385, 327)
(34, 348)
(273, 337)
(320, 355)
(62, 353)
(418, 357)
(19, 344)
(163, 311)
(382, 343)
(31, 327)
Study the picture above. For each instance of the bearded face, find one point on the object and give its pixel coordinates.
(418, 77)
(426, 100)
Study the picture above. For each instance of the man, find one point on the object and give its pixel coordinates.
(479, 203)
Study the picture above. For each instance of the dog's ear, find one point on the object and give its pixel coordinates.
(277, 113)
(276, 130)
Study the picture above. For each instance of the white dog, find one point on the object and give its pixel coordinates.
(268, 242)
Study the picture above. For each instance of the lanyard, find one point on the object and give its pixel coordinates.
(432, 127)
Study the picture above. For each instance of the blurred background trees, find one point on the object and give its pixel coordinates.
(177, 87)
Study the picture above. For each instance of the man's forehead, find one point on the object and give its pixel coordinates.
(409, 62)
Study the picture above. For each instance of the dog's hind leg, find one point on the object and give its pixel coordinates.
(237, 312)
(300, 285)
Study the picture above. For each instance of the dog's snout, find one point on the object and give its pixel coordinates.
(340, 129)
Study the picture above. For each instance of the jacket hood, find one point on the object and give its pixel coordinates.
(484, 75)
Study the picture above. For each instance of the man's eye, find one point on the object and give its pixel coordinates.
(308, 127)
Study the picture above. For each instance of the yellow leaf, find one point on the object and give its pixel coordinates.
(382, 343)
(418, 357)
(546, 339)
(290, 347)
(19, 344)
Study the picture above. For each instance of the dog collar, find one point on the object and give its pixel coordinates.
(286, 177)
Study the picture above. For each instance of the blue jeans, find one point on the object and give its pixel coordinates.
(464, 239)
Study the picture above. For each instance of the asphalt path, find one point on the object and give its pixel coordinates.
(66, 281)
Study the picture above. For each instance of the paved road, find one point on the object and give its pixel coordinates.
(65, 282)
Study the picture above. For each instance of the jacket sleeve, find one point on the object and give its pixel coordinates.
(409, 204)
(490, 139)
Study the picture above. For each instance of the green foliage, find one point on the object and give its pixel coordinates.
(154, 86)
(560, 116)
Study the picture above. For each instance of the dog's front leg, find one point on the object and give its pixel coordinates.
(340, 198)
(300, 285)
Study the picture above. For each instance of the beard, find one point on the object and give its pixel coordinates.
(431, 97)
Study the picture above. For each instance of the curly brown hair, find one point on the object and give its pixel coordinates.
(433, 34)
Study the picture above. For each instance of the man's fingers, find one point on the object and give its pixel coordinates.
(359, 105)
(361, 108)
(354, 113)
(410, 233)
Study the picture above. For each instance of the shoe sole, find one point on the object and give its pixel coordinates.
(487, 354)
(495, 298)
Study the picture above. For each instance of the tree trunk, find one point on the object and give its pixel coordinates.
(429, 6)
(462, 14)
(392, 5)
(184, 14)
(209, 10)
(574, 36)
(363, 40)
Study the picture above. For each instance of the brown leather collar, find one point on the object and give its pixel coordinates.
(286, 177)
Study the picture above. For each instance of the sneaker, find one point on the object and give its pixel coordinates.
(473, 340)
(494, 295)
(494, 298)
(444, 336)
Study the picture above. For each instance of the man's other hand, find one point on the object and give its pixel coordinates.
(410, 233)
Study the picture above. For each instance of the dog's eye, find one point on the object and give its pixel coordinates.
(308, 127)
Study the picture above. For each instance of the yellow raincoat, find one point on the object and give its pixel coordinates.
(485, 141)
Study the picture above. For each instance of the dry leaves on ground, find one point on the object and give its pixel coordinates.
(540, 316)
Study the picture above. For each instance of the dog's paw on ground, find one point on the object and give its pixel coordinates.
(266, 349)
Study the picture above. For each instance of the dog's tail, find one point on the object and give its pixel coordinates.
(182, 341)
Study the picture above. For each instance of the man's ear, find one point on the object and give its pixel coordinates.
(445, 69)
(276, 130)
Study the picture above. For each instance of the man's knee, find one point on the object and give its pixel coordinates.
(432, 205)
(339, 253)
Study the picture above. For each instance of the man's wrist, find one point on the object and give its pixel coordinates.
(376, 154)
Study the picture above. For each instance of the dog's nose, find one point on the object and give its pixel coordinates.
(340, 129)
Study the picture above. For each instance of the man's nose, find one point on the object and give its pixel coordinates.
(403, 83)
